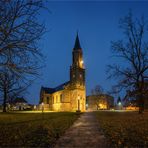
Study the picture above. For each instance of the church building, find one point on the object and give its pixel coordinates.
(71, 95)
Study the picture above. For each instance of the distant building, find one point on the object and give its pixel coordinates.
(131, 107)
(19, 104)
(69, 96)
(99, 102)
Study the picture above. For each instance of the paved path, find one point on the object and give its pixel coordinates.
(83, 134)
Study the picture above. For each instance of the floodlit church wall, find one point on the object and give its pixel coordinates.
(75, 95)
(67, 100)
(59, 98)
(74, 102)
(66, 96)
(56, 100)
(65, 107)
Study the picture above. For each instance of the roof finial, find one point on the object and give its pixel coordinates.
(77, 43)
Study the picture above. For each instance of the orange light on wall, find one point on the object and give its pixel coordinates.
(102, 106)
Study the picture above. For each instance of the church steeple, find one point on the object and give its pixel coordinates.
(77, 45)
(77, 54)
(77, 71)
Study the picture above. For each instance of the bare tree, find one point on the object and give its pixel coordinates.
(20, 31)
(97, 93)
(97, 90)
(11, 87)
(133, 49)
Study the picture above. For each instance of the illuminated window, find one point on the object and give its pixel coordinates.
(53, 99)
(56, 99)
(61, 98)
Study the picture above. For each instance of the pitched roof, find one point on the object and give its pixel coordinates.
(77, 45)
(48, 90)
(61, 87)
(52, 90)
(19, 100)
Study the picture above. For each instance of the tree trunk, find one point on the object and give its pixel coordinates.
(141, 96)
(4, 101)
(141, 104)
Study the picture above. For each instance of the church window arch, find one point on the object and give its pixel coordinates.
(56, 98)
(61, 97)
(47, 100)
(53, 99)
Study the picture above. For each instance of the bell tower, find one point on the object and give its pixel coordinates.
(77, 70)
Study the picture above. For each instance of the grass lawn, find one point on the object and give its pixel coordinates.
(124, 129)
(33, 129)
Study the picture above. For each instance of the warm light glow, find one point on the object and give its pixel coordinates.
(103, 106)
(78, 97)
(132, 108)
(82, 62)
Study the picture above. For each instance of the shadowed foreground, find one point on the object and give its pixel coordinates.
(83, 134)
(124, 128)
(33, 129)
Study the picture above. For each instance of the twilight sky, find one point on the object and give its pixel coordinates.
(97, 23)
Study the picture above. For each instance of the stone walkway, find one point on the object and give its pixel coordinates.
(83, 134)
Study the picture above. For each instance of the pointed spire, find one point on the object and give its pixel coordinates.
(77, 43)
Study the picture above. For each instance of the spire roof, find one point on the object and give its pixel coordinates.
(77, 43)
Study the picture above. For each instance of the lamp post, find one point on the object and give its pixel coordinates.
(42, 107)
(42, 111)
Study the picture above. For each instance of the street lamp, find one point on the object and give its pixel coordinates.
(42, 106)
(119, 103)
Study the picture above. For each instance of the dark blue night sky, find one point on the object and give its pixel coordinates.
(97, 23)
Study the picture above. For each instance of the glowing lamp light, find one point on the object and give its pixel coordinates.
(119, 103)
(42, 106)
(82, 62)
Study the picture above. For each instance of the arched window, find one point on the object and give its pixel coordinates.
(47, 100)
(61, 98)
(56, 98)
(53, 99)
